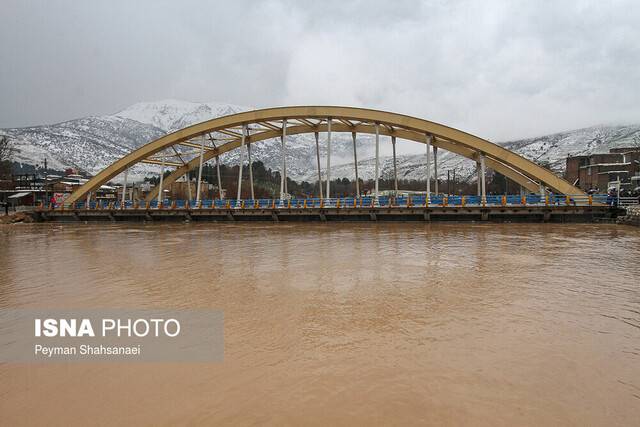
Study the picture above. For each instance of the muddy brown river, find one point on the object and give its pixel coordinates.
(348, 324)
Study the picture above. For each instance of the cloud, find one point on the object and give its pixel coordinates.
(500, 69)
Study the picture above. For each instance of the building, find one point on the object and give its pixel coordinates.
(600, 172)
(32, 189)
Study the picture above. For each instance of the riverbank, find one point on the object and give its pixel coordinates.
(632, 217)
(17, 217)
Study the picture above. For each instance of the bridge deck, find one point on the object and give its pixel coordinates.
(394, 213)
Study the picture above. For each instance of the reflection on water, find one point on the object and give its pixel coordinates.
(369, 323)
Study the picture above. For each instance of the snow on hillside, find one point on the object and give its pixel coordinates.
(410, 166)
(171, 115)
(554, 149)
(91, 143)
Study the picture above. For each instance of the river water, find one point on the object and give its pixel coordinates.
(476, 324)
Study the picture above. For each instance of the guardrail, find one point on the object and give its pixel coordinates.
(355, 202)
(629, 201)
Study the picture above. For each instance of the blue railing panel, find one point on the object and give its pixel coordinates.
(494, 200)
(514, 200)
(418, 200)
(472, 200)
(454, 200)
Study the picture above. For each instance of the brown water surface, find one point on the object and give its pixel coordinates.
(342, 323)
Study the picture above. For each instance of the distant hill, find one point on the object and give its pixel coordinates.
(91, 143)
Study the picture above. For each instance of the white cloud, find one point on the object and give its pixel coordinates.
(500, 69)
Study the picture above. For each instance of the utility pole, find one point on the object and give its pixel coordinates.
(454, 181)
(46, 190)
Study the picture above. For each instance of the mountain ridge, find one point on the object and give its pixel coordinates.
(93, 142)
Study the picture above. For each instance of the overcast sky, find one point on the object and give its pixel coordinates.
(499, 69)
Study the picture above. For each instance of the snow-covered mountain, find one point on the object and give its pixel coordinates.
(554, 149)
(91, 143)
(172, 115)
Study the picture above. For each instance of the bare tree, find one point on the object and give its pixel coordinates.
(7, 149)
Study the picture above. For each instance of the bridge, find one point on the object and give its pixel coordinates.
(548, 195)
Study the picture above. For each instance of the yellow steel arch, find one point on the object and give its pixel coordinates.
(504, 161)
